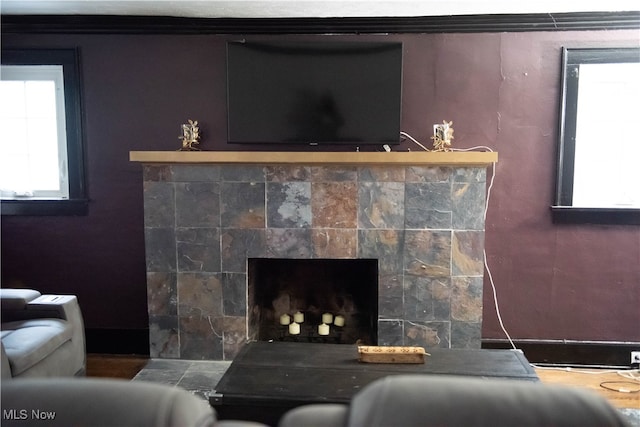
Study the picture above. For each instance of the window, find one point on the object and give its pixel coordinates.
(34, 151)
(599, 137)
(41, 156)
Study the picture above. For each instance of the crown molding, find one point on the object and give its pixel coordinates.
(118, 24)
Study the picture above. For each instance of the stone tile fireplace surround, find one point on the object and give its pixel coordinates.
(421, 215)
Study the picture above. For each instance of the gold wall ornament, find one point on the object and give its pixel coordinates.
(442, 136)
(190, 136)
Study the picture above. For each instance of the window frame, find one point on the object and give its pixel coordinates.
(563, 210)
(77, 203)
(51, 74)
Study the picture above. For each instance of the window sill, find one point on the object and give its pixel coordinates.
(573, 215)
(72, 207)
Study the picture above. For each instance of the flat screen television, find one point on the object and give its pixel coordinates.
(314, 92)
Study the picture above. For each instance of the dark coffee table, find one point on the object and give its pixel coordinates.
(268, 378)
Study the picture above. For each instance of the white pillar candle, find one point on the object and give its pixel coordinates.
(323, 329)
(327, 318)
(298, 317)
(294, 328)
(339, 321)
(285, 319)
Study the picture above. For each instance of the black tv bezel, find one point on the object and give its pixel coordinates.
(335, 47)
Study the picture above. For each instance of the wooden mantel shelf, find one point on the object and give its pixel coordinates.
(405, 158)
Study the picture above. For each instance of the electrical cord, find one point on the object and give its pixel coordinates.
(608, 385)
(486, 208)
(633, 376)
(414, 140)
(484, 252)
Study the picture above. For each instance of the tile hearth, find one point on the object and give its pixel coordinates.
(196, 376)
(424, 225)
(202, 377)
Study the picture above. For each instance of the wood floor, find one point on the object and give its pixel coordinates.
(114, 366)
(594, 380)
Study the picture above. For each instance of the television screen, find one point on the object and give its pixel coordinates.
(314, 92)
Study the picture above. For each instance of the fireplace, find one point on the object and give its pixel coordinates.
(313, 300)
(209, 225)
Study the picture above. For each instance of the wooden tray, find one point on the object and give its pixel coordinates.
(384, 354)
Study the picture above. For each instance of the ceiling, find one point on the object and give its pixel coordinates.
(307, 8)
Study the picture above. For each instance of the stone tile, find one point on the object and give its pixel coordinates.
(234, 294)
(240, 244)
(467, 254)
(160, 249)
(334, 204)
(381, 173)
(289, 205)
(195, 376)
(235, 335)
(465, 334)
(162, 294)
(386, 246)
(208, 366)
(179, 367)
(427, 298)
(390, 332)
(288, 243)
(468, 201)
(438, 243)
(381, 205)
(427, 253)
(243, 205)
(201, 337)
(156, 172)
(287, 173)
(197, 250)
(466, 300)
(242, 173)
(159, 376)
(390, 296)
(334, 243)
(159, 202)
(427, 334)
(198, 204)
(334, 173)
(428, 174)
(470, 175)
(428, 205)
(199, 383)
(164, 341)
(199, 294)
(195, 173)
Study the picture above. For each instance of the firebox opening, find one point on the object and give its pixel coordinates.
(329, 300)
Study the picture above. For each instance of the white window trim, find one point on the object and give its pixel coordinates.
(44, 73)
(606, 137)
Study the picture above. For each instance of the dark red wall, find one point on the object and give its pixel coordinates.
(501, 90)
